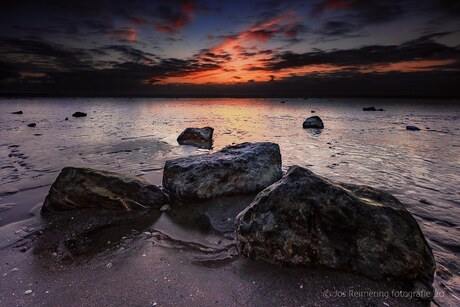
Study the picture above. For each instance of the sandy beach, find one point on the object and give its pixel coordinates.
(188, 256)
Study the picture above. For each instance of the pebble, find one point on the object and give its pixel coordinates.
(27, 292)
(165, 208)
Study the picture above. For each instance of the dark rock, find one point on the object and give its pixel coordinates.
(283, 101)
(66, 118)
(372, 109)
(369, 109)
(79, 114)
(239, 169)
(80, 188)
(425, 202)
(32, 125)
(412, 128)
(307, 220)
(313, 111)
(313, 122)
(17, 112)
(199, 137)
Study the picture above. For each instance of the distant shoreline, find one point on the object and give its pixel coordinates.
(306, 97)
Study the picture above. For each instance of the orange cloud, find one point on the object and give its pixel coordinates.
(124, 34)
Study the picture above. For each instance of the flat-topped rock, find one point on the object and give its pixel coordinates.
(199, 137)
(372, 109)
(412, 128)
(313, 122)
(79, 114)
(81, 188)
(307, 220)
(239, 169)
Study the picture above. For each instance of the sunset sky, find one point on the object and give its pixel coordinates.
(265, 48)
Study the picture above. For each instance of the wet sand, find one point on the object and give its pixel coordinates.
(151, 268)
(361, 148)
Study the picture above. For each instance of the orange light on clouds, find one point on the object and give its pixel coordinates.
(248, 63)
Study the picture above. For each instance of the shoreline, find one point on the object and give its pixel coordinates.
(433, 226)
(164, 272)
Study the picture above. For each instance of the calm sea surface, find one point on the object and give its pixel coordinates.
(136, 136)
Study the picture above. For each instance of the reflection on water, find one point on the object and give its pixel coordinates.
(136, 136)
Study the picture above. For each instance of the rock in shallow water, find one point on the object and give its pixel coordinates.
(307, 220)
(239, 169)
(412, 128)
(79, 188)
(79, 114)
(313, 122)
(199, 137)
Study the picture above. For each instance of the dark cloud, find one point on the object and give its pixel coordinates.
(76, 69)
(131, 53)
(174, 17)
(422, 48)
(337, 28)
(364, 11)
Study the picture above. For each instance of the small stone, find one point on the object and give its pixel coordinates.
(199, 137)
(27, 292)
(108, 265)
(17, 112)
(32, 125)
(424, 201)
(412, 128)
(313, 122)
(23, 250)
(79, 114)
(165, 208)
(66, 118)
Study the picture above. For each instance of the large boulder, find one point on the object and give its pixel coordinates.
(313, 122)
(199, 137)
(80, 188)
(307, 220)
(239, 169)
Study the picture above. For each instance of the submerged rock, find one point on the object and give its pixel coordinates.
(307, 220)
(32, 125)
(80, 188)
(412, 128)
(199, 137)
(313, 122)
(372, 109)
(239, 169)
(79, 114)
(18, 112)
